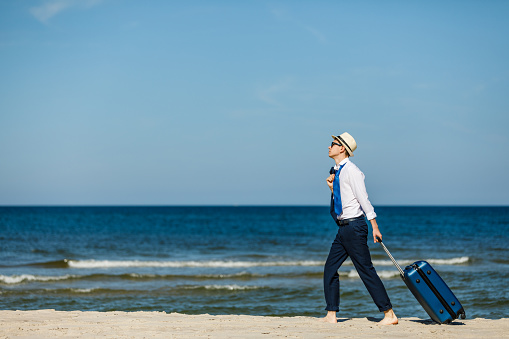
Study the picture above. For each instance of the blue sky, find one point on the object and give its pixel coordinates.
(228, 102)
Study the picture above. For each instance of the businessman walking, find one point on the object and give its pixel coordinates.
(349, 207)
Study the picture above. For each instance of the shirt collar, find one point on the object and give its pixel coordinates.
(342, 162)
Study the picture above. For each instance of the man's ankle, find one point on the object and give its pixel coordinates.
(389, 312)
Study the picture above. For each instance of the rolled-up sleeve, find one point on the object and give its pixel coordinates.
(360, 193)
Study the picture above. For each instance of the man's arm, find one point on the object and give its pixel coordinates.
(360, 193)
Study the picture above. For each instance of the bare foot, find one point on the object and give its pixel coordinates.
(330, 318)
(389, 318)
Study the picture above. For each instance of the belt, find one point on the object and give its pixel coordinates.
(345, 222)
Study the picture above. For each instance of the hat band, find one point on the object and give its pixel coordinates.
(344, 143)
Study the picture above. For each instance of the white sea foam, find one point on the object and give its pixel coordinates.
(237, 264)
(382, 274)
(137, 275)
(228, 287)
(450, 261)
(234, 275)
(388, 274)
(16, 279)
(82, 290)
(212, 263)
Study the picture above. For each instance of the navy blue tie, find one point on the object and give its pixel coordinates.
(338, 208)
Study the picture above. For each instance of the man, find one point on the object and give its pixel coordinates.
(349, 203)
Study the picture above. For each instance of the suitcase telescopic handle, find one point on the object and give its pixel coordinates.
(392, 258)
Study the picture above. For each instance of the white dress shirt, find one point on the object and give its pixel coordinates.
(354, 198)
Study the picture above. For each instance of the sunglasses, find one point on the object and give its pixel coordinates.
(334, 143)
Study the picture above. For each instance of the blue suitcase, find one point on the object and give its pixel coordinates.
(430, 290)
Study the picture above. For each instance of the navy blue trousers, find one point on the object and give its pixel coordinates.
(352, 241)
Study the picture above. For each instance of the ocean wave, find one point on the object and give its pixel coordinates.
(17, 279)
(178, 264)
(82, 290)
(238, 264)
(112, 292)
(450, 261)
(26, 278)
(382, 274)
(223, 287)
(92, 263)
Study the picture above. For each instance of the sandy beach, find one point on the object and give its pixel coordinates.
(51, 324)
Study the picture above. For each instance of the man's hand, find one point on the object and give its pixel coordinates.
(376, 231)
(330, 182)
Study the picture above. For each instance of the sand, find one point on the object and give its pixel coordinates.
(77, 324)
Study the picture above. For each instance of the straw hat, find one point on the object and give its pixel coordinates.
(348, 141)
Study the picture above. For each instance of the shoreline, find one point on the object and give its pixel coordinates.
(116, 324)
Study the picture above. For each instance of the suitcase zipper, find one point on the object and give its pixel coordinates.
(435, 291)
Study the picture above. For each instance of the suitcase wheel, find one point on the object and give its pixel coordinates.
(463, 316)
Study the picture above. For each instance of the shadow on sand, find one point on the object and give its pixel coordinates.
(420, 321)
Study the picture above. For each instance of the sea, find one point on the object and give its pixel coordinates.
(257, 260)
